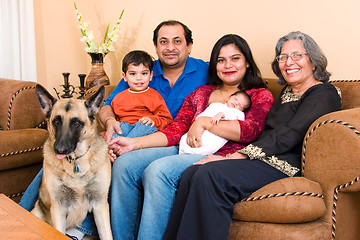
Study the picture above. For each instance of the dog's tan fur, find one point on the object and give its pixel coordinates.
(67, 195)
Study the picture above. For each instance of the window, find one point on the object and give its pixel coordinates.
(17, 40)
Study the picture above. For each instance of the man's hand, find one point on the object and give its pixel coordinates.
(112, 126)
(108, 121)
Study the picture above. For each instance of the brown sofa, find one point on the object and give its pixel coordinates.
(325, 202)
(22, 136)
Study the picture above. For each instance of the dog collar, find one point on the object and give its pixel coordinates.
(74, 161)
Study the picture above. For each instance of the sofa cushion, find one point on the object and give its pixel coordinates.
(19, 106)
(289, 200)
(19, 148)
(349, 92)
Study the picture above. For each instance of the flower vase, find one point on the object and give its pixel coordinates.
(97, 75)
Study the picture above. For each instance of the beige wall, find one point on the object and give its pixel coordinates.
(335, 25)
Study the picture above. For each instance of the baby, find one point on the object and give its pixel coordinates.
(233, 109)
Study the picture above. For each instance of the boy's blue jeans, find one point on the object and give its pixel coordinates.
(135, 130)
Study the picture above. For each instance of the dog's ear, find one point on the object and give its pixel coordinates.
(46, 101)
(94, 102)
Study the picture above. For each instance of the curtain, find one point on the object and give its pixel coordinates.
(17, 40)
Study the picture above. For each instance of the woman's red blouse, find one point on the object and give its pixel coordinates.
(197, 101)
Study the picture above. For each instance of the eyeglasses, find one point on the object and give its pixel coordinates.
(295, 56)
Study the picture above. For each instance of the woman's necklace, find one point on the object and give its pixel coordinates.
(222, 97)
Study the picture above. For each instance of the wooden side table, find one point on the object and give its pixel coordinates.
(17, 223)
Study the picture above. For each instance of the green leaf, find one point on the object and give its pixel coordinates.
(121, 14)
(106, 33)
(84, 34)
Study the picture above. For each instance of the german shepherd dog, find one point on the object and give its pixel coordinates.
(77, 168)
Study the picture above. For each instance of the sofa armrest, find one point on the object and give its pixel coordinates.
(331, 153)
(19, 148)
(331, 149)
(288, 200)
(19, 108)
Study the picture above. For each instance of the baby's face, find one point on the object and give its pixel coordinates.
(238, 101)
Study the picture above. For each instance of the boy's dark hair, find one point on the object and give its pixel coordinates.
(136, 58)
(247, 96)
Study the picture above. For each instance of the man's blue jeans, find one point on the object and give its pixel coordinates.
(143, 188)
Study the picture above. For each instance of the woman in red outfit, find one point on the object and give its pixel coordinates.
(144, 182)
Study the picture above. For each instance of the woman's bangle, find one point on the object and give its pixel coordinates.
(140, 143)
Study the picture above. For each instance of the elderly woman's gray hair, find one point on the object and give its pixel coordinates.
(314, 52)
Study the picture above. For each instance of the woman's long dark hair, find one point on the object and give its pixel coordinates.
(252, 78)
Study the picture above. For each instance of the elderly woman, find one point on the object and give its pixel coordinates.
(207, 193)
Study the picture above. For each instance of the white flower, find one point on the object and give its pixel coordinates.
(83, 25)
(88, 36)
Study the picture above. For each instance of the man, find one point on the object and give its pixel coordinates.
(175, 76)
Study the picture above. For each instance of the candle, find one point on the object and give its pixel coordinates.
(66, 79)
(82, 80)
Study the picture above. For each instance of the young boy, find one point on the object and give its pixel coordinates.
(233, 109)
(140, 109)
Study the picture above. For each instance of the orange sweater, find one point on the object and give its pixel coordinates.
(130, 106)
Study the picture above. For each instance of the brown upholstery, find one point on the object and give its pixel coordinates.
(331, 151)
(22, 136)
(291, 200)
(323, 204)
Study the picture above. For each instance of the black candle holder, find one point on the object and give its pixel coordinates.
(82, 87)
(67, 92)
